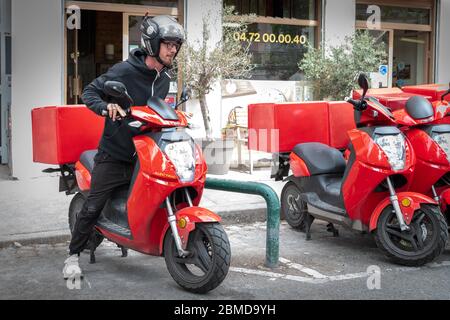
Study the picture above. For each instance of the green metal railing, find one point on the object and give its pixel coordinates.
(273, 211)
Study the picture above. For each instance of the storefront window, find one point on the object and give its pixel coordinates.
(277, 49)
(292, 9)
(396, 14)
(408, 34)
(157, 3)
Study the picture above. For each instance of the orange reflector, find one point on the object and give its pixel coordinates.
(182, 223)
(406, 202)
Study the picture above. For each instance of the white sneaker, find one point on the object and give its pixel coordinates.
(72, 269)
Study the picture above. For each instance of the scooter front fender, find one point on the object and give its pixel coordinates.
(415, 200)
(187, 219)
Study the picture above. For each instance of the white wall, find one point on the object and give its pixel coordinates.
(339, 21)
(37, 64)
(443, 53)
(196, 10)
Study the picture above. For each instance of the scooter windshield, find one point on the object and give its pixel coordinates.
(162, 109)
(382, 107)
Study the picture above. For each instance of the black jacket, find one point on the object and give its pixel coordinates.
(141, 83)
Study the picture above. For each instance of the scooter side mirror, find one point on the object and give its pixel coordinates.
(185, 94)
(363, 83)
(117, 89)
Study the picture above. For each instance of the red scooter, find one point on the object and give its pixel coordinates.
(370, 191)
(427, 128)
(158, 214)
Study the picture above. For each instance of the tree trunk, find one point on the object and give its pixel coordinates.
(206, 117)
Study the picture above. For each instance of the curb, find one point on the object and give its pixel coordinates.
(35, 238)
(246, 216)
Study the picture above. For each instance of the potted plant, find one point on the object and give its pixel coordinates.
(203, 66)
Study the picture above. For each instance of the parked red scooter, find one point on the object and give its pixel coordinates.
(368, 193)
(158, 214)
(427, 128)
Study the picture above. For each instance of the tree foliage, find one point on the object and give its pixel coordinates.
(333, 72)
(204, 64)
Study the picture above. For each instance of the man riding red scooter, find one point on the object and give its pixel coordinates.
(370, 192)
(158, 213)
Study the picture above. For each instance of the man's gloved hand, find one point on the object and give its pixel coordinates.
(115, 112)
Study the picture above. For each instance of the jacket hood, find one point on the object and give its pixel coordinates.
(137, 60)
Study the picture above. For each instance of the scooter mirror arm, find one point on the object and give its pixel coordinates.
(130, 100)
(180, 103)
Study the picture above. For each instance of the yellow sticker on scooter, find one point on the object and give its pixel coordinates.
(406, 202)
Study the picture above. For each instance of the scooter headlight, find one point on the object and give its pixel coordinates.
(183, 158)
(394, 148)
(443, 140)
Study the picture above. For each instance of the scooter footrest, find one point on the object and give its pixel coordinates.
(314, 200)
(114, 228)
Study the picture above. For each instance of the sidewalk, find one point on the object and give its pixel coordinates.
(33, 211)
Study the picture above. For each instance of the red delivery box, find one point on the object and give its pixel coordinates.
(341, 121)
(393, 98)
(62, 133)
(280, 127)
(435, 91)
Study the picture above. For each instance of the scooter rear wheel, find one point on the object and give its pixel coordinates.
(423, 243)
(293, 209)
(209, 261)
(76, 205)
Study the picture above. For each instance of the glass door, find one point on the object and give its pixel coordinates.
(383, 78)
(5, 81)
(411, 57)
(131, 33)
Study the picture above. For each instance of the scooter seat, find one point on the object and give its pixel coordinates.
(87, 159)
(320, 158)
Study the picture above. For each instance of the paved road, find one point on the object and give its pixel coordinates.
(324, 268)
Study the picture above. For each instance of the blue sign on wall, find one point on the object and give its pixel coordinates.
(383, 70)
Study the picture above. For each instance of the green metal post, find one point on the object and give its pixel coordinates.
(273, 211)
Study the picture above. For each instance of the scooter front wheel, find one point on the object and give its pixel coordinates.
(424, 241)
(209, 260)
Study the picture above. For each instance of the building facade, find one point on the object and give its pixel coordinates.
(51, 49)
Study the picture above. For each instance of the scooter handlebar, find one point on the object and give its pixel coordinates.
(105, 113)
(357, 105)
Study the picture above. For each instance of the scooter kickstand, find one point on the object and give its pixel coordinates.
(124, 252)
(308, 221)
(92, 261)
(331, 228)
